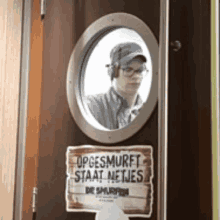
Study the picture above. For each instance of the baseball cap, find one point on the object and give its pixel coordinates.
(124, 52)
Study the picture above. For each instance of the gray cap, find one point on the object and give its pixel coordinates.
(124, 52)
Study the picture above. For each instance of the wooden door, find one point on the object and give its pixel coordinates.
(189, 134)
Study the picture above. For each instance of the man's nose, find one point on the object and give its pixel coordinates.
(137, 76)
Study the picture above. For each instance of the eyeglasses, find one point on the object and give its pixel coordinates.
(128, 71)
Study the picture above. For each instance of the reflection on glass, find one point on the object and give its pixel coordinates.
(117, 78)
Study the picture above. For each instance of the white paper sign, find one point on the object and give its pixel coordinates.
(99, 175)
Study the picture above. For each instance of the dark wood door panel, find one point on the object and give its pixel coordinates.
(189, 136)
(64, 23)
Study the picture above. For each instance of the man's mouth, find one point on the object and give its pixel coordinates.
(135, 83)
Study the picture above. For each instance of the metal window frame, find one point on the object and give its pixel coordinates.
(75, 75)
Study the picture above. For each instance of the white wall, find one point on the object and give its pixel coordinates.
(10, 53)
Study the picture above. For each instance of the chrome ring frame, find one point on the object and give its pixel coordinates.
(81, 53)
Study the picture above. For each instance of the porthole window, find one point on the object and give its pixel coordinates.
(112, 78)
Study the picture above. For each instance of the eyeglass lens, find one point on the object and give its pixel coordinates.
(128, 71)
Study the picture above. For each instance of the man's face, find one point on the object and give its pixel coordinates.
(130, 84)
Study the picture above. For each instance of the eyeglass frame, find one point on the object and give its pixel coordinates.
(134, 71)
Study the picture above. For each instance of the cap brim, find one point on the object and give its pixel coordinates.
(132, 56)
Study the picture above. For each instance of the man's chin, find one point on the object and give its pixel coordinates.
(132, 90)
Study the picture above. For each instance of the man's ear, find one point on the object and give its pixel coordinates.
(116, 70)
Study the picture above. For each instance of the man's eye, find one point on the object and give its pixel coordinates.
(128, 69)
(138, 71)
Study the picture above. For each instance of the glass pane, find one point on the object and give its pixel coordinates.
(98, 84)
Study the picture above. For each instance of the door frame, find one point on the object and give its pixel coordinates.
(29, 109)
(215, 105)
(163, 110)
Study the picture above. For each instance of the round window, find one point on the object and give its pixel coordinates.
(112, 78)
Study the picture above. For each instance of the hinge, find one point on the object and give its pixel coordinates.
(43, 9)
(34, 199)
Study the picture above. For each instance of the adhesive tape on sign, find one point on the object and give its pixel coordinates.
(111, 211)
